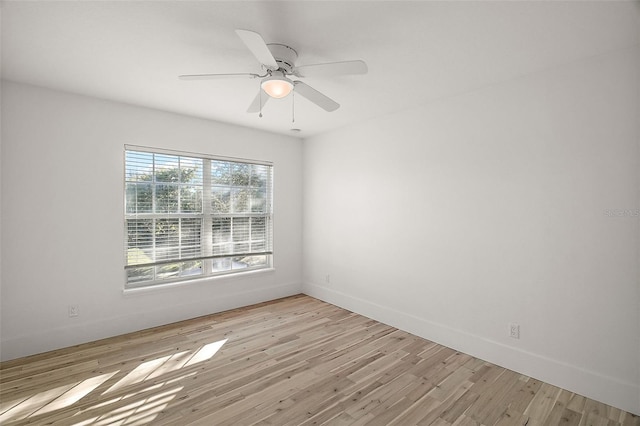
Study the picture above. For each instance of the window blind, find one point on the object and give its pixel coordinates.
(189, 216)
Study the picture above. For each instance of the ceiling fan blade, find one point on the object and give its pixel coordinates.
(332, 68)
(316, 97)
(215, 76)
(255, 106)
(258, 47)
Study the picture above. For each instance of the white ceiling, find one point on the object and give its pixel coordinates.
(417, 51)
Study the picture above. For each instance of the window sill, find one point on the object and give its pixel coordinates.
(157, 288)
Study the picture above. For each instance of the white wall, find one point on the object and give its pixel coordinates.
(456, 218)
(62, 218)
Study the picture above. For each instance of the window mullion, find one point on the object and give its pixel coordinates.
(154, 205)
(153, 242)
(250, 202)
(207, 221)
(179, 210)
(269, 216)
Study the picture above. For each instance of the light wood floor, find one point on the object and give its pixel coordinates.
(294, 361)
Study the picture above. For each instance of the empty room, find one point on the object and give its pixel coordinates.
(320, 212)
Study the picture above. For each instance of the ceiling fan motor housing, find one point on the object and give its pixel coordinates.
(284, 55)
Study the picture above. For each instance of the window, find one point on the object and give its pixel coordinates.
(189, 216)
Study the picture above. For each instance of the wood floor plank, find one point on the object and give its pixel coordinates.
(542, 404)
(292, 361)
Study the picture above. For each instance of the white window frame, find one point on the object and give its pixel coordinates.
(207, 255)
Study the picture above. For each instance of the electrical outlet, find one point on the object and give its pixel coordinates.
(74, 311)
(514, 330)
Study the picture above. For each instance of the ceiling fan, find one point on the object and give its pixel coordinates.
(279, 63)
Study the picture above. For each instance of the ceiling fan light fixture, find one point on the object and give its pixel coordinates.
(277, 86)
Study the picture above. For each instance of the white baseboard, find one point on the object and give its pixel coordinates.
(83, 332)
(611, 391)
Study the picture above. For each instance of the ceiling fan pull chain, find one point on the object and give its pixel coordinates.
(293, 106)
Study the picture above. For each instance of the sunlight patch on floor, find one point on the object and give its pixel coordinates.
(138, 412)
(130, 401)
(75, 394)
(138, 374)
(162, 365)
(206, 352)
(35, 402)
